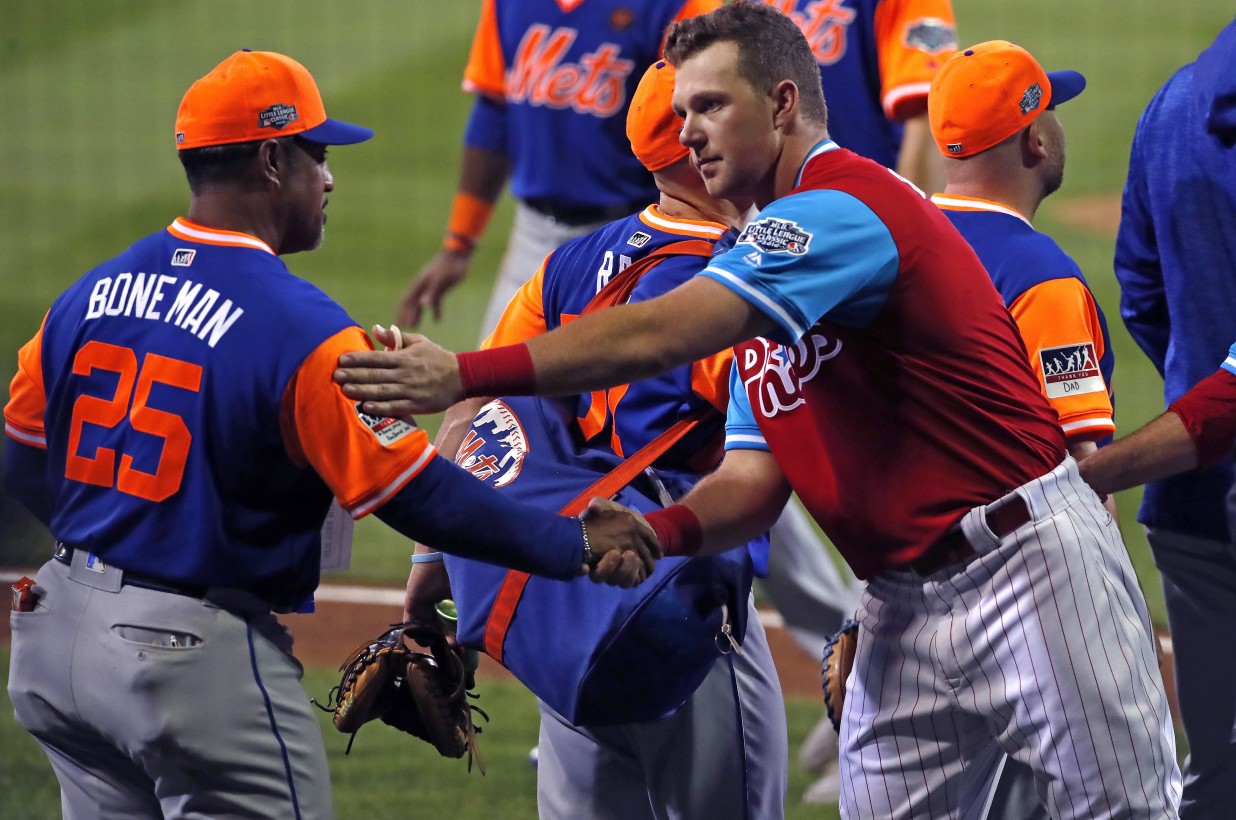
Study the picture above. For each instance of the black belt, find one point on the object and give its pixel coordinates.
(954, 548)
(576, 215)
(64, 554)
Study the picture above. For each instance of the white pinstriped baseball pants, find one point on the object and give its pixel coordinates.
(1039, 647)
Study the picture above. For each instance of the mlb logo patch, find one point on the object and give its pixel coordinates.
(278, 116)
(773, 235)
(640, 239)
(931, 35)
(183, 257)
(1070, 370)
(954, 147)
(386, 429)
(1030, 100)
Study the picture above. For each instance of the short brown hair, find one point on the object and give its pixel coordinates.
(771, 48)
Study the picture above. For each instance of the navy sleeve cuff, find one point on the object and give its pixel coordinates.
(448, 509)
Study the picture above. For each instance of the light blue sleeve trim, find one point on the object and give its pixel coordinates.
(1229, 364)
(741, 430)
(812, 254)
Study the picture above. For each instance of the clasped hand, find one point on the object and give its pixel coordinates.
(625, 546)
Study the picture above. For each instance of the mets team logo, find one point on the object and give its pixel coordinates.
(774, 374)
(495, 447)
(773, 235)
(1071, 370)
(825, 24)
(539, 76)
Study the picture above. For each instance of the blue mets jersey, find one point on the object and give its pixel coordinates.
(565, 70)
(876, 58)
(627, 417)
(1063, 328)
(157, 406)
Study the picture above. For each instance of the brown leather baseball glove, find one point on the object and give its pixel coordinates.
(411, 678)
(838, 661)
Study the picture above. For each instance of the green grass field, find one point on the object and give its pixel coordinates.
(89, 92)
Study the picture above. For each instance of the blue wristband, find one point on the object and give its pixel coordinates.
(426, 557)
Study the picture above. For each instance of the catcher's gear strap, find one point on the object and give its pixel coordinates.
(616, 291)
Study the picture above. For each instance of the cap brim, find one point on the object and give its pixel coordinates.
(1065, 85)
(337, 132)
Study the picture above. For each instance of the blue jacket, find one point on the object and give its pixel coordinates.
(1176, 258)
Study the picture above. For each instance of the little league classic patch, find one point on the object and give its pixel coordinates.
(773, 235)
(386, 429)
(1071, 370)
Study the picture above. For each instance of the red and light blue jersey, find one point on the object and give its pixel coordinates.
(896, 394)
(877, 59)
(627, 417)
(565, 70)
(1064, 330)
(188, 380)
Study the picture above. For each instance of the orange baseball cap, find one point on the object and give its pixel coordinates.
(256, 95)
(652, 125)
(987, 93)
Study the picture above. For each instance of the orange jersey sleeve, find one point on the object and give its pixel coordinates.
(363, 459)
(524, 316)
(913, 38)
(485, 72)
(710, 378)
(23, 415)
(1061, 313)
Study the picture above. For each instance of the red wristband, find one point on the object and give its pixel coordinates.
(499, 371)
(1207, 414)
(678, 529)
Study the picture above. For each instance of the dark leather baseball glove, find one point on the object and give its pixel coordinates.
(411, 678)
(838, 661)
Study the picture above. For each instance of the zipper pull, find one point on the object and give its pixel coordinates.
(727, 633)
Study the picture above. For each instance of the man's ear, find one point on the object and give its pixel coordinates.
(1033, 146)
(271, 158)
(785, 102)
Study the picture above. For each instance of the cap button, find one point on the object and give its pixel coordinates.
(969, 52)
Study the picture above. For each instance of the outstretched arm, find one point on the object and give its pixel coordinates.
(731, 506)
(611, 347)
(1161, 448)
(1198, 430)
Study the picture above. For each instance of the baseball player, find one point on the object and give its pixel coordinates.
(879, 376)
(173, 424)
(1175, 253)
(992, 117)
(551, 79)
(876, 58)
(732, 729)
(1198, 431)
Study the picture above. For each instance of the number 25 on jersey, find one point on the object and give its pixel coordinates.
(130, 401)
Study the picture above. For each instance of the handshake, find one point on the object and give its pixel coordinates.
(623, 546)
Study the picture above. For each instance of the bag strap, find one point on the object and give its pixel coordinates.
(509, 594)
(616, 291)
